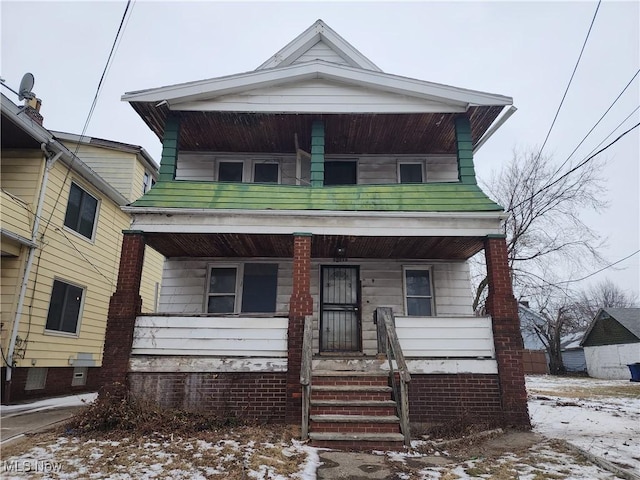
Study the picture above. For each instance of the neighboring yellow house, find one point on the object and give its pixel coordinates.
(62, 229)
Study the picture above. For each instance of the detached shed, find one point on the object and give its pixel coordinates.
(611, 342)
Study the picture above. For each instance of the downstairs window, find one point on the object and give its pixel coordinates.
(247, 288)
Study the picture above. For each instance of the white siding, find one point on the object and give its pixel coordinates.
(442, 337)
(202, 166)
(321, 51)
(610, 361)
(372, 169)
(318, 95)
(211, 336)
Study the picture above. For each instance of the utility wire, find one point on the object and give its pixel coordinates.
(613, 131)
(581, 164)
(571, 79)
(596, 124)
(602, 269)
(91, 110)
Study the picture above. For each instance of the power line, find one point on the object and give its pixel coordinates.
(91, 110)
(596, 124)
(613, 131)
(584, 44)
(581, 164)
(602, 269)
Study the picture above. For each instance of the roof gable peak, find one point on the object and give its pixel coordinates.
(318, 38)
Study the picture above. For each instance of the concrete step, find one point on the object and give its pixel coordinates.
(358, 441)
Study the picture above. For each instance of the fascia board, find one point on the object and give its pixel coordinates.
(312, 35)
(212, 88)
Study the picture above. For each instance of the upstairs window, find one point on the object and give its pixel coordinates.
(64, 308)
(410, 173)
(81, 211)
(230, 171)
(418, 292)
(266, 172)
(248, 288)
(147, 182)
(340, 172)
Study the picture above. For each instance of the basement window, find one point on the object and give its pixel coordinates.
(79, 377)
(36, 378)
(247, 288)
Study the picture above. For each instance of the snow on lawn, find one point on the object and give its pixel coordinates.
(48, 404)
(599, 416)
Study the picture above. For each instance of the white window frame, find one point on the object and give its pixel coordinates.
(147, 181)
(230, 160)
(80, 310)
(411, 162)
(95, 217)
(257, 161)
(428, 268)
(239, 287)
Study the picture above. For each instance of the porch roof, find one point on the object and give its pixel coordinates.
(322, 246)
(426, 197)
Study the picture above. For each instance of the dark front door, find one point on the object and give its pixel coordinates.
(340, 309)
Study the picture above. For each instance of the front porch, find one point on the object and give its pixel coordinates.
(247, 364)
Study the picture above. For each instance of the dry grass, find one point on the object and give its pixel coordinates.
(597, 391)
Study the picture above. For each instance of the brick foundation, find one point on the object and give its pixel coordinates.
(58, 383)
(467, 398)
(503, 308)
(249, 396)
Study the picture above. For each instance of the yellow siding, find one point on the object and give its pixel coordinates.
(21, 174)
(114, 166)
(17, 216)
(70, 257)
(138, 177)
(10, 277)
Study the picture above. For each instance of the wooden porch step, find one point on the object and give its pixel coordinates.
(350, 392)
(349, 373)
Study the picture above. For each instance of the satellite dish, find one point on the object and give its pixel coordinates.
(25, 87)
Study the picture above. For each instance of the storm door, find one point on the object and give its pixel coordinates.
(340, 309)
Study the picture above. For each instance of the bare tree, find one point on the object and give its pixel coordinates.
(604, 294)
(543, 225)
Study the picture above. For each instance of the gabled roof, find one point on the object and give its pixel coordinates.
(307, 41)
(629, 318)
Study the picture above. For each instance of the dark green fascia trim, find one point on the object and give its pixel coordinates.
(464, 150)
(169, 158)
(497, 235)
(302, 234)
(317, 154)
(132, 232)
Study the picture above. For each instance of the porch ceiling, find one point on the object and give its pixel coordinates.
(345, 134)
(322, 246)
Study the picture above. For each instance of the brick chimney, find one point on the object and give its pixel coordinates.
(32, 109)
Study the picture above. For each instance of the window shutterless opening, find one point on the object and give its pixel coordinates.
(340, 172)
(82, 209)
(230, 171)
(247, 288)
(418, 290)
(410, 173)
(64, 307)
(266, 172)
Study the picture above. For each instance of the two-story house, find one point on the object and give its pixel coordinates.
(62, 229)
(295, 202)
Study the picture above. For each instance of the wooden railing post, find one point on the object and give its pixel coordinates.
(387, 328)
(305, 374)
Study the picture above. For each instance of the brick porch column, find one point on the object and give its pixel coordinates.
(124, 307)
(300, 305)
(503, 308)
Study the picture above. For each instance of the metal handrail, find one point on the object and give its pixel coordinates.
(391, 345)
(305, 374)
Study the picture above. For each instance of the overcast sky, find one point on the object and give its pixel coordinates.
(526, 50)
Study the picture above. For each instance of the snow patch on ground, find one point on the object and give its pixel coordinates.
(48, 404)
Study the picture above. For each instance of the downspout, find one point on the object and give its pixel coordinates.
(51, 159)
